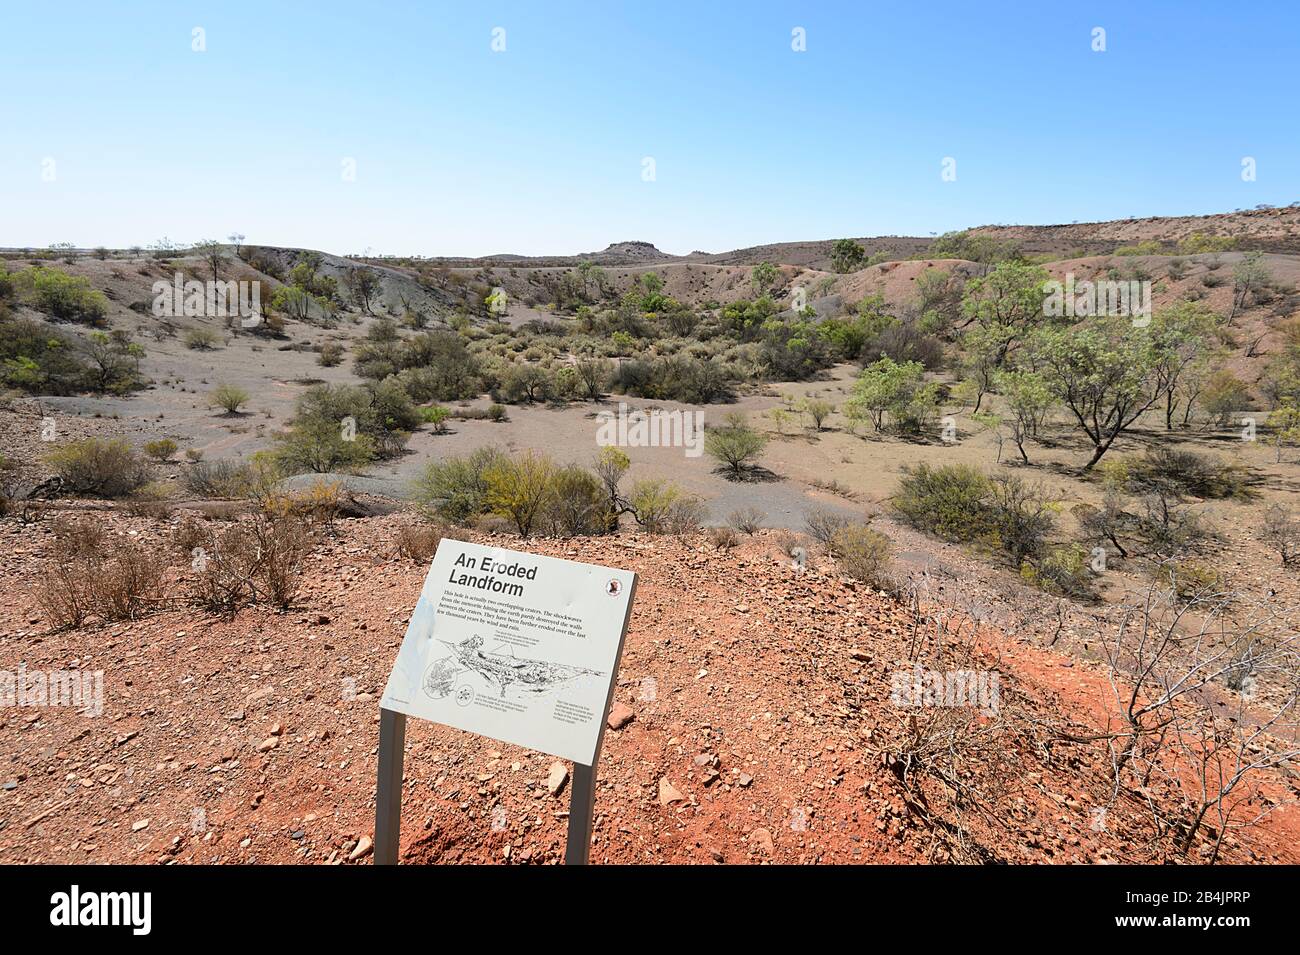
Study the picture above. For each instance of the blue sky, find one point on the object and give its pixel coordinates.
(539, 149)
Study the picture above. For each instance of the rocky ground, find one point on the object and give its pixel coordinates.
(753, 723)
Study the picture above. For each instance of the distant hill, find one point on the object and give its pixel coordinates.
(1268, 229)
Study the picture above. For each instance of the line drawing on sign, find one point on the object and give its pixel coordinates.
(505, 671)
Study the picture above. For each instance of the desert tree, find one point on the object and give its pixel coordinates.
(1284, 421)
(1007, 302)
(364, 285)
(1180, 337)
(594, 375)
(212, 253)
(847, 256)
(1248, 278)
(764, 278)
(1104, 372)
(735, 445)
(519, 488)
(817, 410)
(1029, 401)
(897, 389)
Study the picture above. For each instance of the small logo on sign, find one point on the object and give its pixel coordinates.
(614, 588)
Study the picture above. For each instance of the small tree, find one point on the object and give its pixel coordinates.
(594, 375)
(1248, 278)
(764, 277)
(1285, 424)
(364, 285)
(847, 256)
(818, 409)
(888, 387)
(1030, 400)
(1180, 334)
(213, 254)
(1223, 394)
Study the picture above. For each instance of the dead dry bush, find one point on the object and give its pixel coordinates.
(90, 584)
(1206, 710)
(419, 542)
(257, 561)
(793, 546)
(949, 748)
(747, 520)
(188, 535)
(321, 503)
(823, 524)
(155, 509)
(723, 538)
(78, 536)
(129, 585)
(1281, 532)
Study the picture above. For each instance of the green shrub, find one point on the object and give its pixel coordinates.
(437, 416)
(1191, 581)
(897, 390)
(455, 488)
(41, 360)
(331, 354)
(673, 378)
(340, 427)
(223, 478)
(64, 296)
(954, 502)
(201, 339)
(1063, 571)
(576, 506)
(661, 507)
(229, 398)
(520, 488)
(1022, 517)
(1188, 473)
(161, 450)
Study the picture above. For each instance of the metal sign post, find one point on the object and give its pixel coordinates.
(388, 799)
(388, 793)
(582, 807)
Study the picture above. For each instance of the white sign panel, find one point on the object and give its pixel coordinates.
(515, 646)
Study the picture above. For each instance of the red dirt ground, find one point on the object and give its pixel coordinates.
(253, 738)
